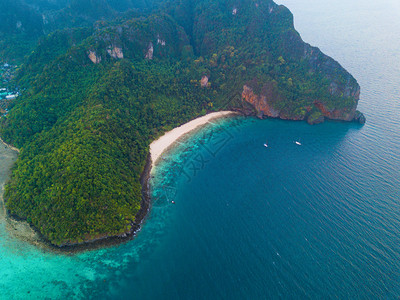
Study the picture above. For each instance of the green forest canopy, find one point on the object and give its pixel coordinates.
(84, 128)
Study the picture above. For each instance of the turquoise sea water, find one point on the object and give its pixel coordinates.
(320, 220)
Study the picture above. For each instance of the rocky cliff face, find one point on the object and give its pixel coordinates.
(115, 52)
(294, 80)
(261, 103)
(342, 84)
(155, 37)
(94, 57)
(340, 95)
(265, 106)
(345, 114)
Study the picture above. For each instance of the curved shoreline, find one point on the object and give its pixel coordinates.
(156, 150)
(162, 144)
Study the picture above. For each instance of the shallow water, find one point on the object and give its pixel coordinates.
(320, 220)
(7, 157)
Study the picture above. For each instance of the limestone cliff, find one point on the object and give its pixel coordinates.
(279, 74)
(262, 103)
(94, 57)
(265, 105)
(115, 52)
(150, 51)
(339, 99)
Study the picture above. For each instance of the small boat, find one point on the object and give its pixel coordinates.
(266, 144)
(297, 143)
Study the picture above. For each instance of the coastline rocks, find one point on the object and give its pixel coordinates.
(344, 114)
(315, 113)
(359, 117)
(294, 116)
(319, 62)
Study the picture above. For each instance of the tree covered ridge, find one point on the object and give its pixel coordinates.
(95, 99)
(23, 22)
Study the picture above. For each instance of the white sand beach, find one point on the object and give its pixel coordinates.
(163, 143)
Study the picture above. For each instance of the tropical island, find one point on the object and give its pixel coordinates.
(101, 84)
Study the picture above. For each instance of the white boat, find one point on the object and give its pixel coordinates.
(298, 142)
(265, 145)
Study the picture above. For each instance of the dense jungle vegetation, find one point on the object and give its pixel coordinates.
(95, 97)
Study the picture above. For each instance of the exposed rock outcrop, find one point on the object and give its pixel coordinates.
(94, 58)
(160, 41)
(320, 62)
(150, 51)
(359, 117)
(115, 52)
(264, 105)
(260, 102)
(345, 114)
(204, 81)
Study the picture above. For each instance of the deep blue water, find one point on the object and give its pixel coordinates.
(321, 220)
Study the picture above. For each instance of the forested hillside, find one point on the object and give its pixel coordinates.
(95, 98)
(20, 27)
(24, 22)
